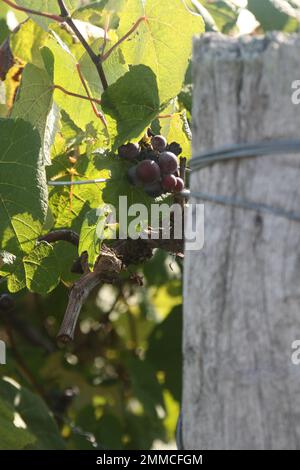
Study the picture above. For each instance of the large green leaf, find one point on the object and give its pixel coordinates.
(23, 189)
(35, 416)
(89, 241)
(70, 204)
(163, 41)
(175, 128)
(39, 271)
(34, 104)
(65, 75)
(132, 102)
(25, 43)
(96, 227)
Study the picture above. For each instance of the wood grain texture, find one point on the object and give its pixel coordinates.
(242, 291)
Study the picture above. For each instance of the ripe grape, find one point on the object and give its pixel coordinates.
(168, 163)
(129, 151)
(154, 189)
(148, 172)
(159, 143)
(179, 185)
(169, 183)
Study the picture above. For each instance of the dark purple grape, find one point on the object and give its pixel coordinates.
(132, 176)
(159, 143)
(154, 189)
(169, 183)
(129, 151)
(148, 172)
(174, 148)
(168, 163)
(179, 185)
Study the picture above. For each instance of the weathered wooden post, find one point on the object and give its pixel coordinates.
(242, 291)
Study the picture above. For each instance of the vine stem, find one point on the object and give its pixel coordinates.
(34, 12)
(106, 269)
(122, 39)
(94, 57)
(76, 95)
(61, 235)
(165, 116)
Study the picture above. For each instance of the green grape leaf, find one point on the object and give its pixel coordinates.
(70, 204)
(89, 240)
(11, 436)
(66, 254)
(34, 104)
(15, 276)
(39, 271)
(23, 189)
(33, 412)
(132, 102)
(162, 42)
(42, 270)
(26, 42)
(66, 76)
(96, 227)
(45, 6)
(176, 129)
(275, 15)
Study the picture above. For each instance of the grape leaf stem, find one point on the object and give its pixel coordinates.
(97, 113)
(76, 95)
(34, 12)
(122, 39)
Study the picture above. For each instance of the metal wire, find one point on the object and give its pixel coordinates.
(245, 151)
(76, 183)
(241, 151)
(244, 204)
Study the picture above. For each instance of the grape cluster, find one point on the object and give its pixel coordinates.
(155, 165)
